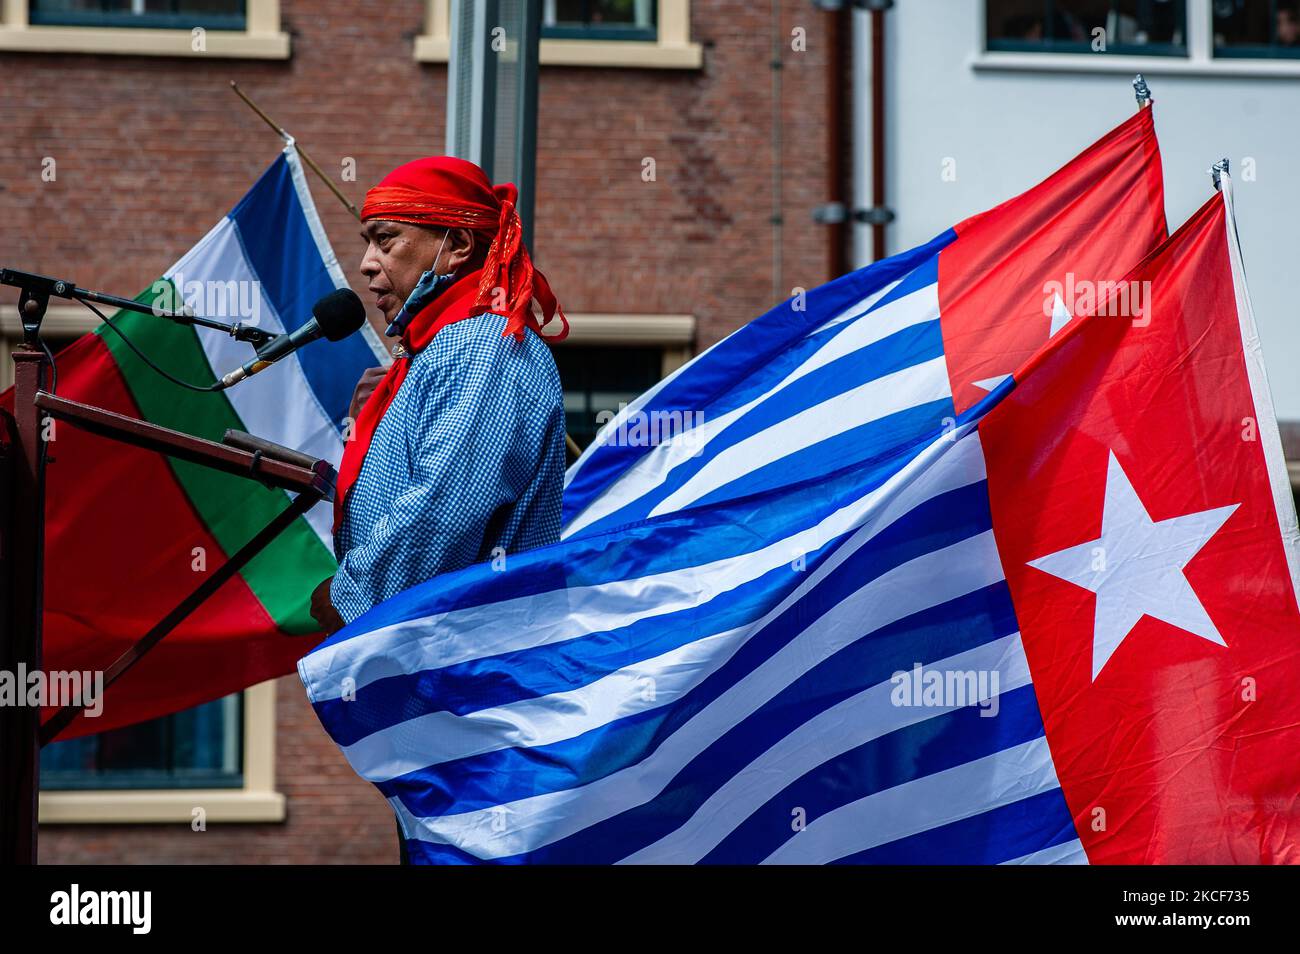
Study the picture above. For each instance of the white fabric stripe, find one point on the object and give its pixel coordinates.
(324, 249)
(860, 308)
(924, 803)
(541, 819)
(1270, 438)
(1066, 853)
(602, 437)
(857, 720)
(439, 737)
(869, 402)
(653, 468)
(528, 621)
(444, 736)
(277, 404)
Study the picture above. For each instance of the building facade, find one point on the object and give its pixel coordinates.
(674, 202)
(690, 153)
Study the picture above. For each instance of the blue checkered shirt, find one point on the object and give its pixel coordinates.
(468, 458)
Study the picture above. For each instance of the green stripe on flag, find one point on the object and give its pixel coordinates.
(234, 508)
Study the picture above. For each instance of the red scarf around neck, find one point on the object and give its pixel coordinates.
(453, 304)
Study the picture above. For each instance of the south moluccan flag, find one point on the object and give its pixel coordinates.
(129, 532)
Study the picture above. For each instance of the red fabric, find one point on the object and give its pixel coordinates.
(452, 193)
(453, 304)
(1180, 750)
(1091, 221)
(102, 539)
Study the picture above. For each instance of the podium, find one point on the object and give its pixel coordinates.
(22, 520)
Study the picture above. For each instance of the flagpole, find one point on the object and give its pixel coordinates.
(311, 163)
(1141, 91)
(570, 444)
(1217, 171)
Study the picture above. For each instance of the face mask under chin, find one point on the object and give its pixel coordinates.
(429, 287)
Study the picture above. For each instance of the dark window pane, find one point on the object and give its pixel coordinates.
(1146, 27)
(1268, 28)
(597, 379)
(200, 747)
(158, 14)
(599, 19)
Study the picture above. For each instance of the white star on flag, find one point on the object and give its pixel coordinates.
(1136, 567)
(1060, 318)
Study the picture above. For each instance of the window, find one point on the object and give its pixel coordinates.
(191, 28)
(219, 757)
(599, 19)
(1171, 37)
(1256, 28)
(199, 748)
(600, 379)
(1145, 27)
(646, 34)
(172, 14)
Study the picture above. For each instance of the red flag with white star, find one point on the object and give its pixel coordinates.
(1148, 534)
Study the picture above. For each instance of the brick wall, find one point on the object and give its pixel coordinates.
(150, 152)
(333, 817)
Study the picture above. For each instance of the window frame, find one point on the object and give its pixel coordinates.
(262, 38)
(672, 48)
(256, 801)
(1199, 61)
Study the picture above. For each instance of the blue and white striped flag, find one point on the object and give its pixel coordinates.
(776, 628)
(706, 683)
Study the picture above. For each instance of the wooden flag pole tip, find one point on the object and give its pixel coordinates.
(311, 163)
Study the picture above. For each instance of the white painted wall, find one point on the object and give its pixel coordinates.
(1008, 130)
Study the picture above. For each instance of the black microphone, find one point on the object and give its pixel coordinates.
(337, 315)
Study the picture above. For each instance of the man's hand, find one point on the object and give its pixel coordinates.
(322, 610)
(370, 378)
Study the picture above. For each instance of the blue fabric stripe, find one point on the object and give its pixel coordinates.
(990, 838)
(278, 243)
(660, 544)
(872, 440)
(910, 753)
(887, 444)
(496, 777)
(751, 347)
(930, 635)
(510, 677)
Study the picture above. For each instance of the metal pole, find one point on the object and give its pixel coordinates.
(1141, 91)
(310, 162)
(861, 197)
(526, 157)
(25, 556)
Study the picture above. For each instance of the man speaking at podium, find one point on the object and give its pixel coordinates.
(457, 454)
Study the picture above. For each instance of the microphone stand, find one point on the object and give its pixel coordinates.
(22, 527)
(37, 290)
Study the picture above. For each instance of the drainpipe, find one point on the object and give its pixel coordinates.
(866, 215)
(870, 213)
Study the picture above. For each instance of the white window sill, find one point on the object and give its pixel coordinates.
(629, 329)
(629, 54)
(133, 41)
(171, 806)
(1147, 65)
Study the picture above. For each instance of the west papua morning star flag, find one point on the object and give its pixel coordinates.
(862, 367)
(130, 532)
(684, 686)
(1144, 517)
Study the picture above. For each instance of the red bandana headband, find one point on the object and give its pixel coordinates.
(452, 193)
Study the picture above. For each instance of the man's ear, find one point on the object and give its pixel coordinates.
(460, 249)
